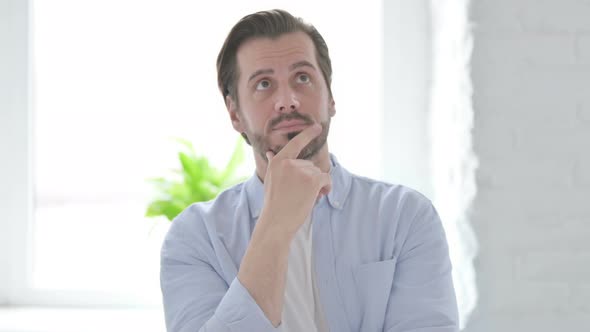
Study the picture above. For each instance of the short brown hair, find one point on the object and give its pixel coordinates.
(270, 24)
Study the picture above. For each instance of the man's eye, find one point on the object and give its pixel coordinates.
(263, 85)
(302, 78)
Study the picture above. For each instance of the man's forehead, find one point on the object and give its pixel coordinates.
(264, 51)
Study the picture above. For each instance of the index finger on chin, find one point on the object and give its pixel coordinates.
(294, 147)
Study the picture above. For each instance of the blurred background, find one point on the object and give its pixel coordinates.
(484, 106)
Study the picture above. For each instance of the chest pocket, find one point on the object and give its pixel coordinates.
(373, 283)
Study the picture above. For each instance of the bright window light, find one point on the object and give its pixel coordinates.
(114, 81)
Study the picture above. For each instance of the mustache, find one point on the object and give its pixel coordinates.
(290, 116)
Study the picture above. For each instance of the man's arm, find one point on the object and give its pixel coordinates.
(291, 187)
(422, 296)
(195, 296)
(264, 268)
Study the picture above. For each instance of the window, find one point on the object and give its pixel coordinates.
(110, 84)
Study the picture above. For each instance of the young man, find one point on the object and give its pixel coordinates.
(303, 245)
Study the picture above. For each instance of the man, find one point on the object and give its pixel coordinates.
(303, 245)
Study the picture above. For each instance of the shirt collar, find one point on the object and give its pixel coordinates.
(341, 180)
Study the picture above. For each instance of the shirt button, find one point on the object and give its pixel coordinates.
(336, 204)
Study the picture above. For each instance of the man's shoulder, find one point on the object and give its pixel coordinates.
(211, 213)
(363, 186)
(225, 200)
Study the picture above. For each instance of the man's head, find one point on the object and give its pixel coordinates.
(274, 72)
(265, 24)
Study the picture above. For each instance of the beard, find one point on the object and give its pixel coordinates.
(261, 143)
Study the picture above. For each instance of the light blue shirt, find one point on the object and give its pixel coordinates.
(381, 260)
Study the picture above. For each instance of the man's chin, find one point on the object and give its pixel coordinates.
(306, 156)
(310, 151)
(292, 135)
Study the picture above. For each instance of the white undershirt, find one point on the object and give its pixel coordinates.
(302, 309)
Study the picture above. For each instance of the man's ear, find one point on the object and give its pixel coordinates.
(332, 107)
(234, 114)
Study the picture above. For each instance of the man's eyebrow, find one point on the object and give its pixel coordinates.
(300, 64)
(260, 72)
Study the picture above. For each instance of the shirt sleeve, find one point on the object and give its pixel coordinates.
(422, 297)
(195, 297)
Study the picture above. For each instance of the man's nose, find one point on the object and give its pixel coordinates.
(286, 101)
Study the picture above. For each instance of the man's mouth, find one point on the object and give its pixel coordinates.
(288, 124)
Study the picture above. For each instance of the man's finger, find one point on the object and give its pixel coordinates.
(292, 149)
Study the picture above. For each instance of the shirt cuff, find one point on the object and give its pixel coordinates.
(239, 311)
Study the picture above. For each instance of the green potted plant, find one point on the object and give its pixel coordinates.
(196, 181)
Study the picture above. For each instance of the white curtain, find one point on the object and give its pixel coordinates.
(453, 160)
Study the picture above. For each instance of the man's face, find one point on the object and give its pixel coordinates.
(281, 91)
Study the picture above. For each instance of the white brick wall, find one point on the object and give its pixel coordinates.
(531, 79)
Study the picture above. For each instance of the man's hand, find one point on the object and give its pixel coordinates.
(292, 185)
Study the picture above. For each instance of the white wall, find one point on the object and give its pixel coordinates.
(531, 78)
(14, 142)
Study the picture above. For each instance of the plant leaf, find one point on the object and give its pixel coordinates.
(196, 181)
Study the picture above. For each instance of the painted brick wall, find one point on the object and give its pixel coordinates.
(531, 78)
